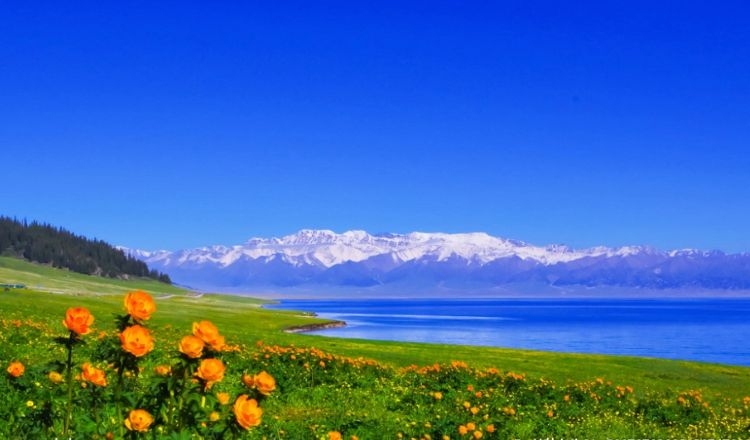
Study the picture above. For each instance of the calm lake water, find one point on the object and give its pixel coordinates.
(710, 330)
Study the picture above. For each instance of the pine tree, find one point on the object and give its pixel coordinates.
(45, 244)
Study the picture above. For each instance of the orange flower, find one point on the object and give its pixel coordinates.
(140, 305)
(214, 416)
(191, 346)
(136, 340)
(16, 369)
(462, 430)
(94, 375)
(263, 382)
(55, 377)
(208, 333)
(218, 344)
(163, 370)
(223, 398)
(139, 420)
(334, 435)
(490, 428)
(471, 426)
(247, 412)
(211, 371)
(437, 395)
(78, 320)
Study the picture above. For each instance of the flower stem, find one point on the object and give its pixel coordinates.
(118, 389)
(69, 378)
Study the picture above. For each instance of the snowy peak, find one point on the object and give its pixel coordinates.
(309, 236)
(433, 260)
(325, 248)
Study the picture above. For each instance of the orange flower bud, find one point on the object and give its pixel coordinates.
(211, 371)
(248, 380)
(78, 320)
(140, 305)
(247, 412)
(55, 377)
(163, 370)
(139, 420)
(136, 340)
(94, 375)
(223, 398)
(16, 369)
(191, 347)
(214, 416)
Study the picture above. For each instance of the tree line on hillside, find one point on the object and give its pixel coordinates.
(46, 244)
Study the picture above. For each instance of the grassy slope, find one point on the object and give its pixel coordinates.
(243, 321)
(45, 278)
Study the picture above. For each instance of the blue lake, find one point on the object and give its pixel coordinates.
(710, 330)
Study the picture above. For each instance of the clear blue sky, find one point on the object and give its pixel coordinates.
(183, 124)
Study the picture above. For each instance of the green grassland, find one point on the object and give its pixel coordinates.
(383, 397)
(48, 279)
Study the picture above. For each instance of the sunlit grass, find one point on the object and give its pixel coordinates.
(45, 278)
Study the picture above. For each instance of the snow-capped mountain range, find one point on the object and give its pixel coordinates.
(426, 260)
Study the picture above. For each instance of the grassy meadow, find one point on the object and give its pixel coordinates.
(322, 387)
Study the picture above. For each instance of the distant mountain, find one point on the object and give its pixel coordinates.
(428, 260)
(46, 244)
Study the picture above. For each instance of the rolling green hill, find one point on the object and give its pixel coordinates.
(48, 279)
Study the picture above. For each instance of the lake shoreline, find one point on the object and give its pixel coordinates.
(695, 329)
(315, 326)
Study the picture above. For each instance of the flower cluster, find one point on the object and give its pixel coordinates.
(132, 385)
(172, 408)
(263, 382)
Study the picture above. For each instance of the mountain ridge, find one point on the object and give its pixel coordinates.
(357, 258)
